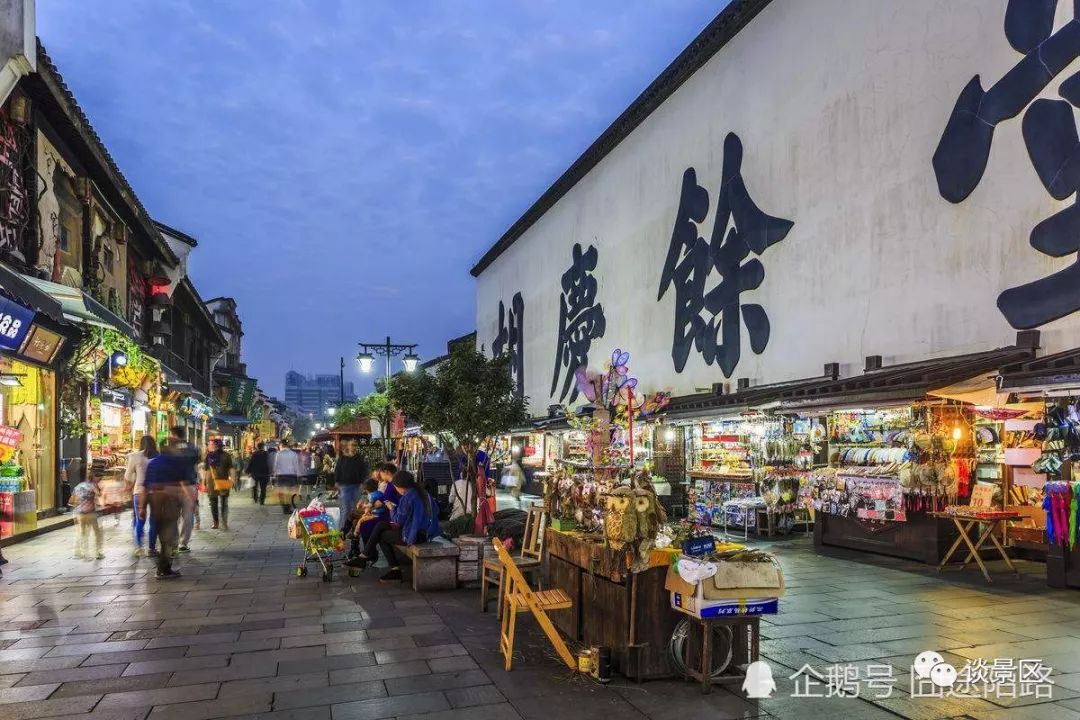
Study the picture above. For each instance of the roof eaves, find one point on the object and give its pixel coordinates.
(178, 234)
(715, 36)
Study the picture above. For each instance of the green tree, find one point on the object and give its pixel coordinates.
(468, 399)
(303, 428)
(373, 405)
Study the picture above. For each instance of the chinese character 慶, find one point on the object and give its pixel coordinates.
(581, 320)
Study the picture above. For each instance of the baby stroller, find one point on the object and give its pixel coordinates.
(322, 541)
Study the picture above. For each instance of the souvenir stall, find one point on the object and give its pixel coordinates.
(1045, 483)
(601, 548)
(751, 472)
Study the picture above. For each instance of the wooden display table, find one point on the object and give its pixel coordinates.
(967, 521)
(629, 612)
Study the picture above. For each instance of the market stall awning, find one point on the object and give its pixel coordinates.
(1053, 373)
(77, 306)
(902, 383)
(356, 426)
(713, 405)
(20, 287)
(235, 420)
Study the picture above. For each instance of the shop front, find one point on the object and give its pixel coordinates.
(32, 343)
(1043, 449)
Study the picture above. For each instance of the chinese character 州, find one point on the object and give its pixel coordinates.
(580, 321)
(1050, 135)
(691, 260)
(511, 339)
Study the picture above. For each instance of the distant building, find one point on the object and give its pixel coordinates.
(315, 393)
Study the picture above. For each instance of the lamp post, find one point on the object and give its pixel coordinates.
(388, 350)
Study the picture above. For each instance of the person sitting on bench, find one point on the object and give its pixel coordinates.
(414, 521)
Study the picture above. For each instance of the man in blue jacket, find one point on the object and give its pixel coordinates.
(167, 476)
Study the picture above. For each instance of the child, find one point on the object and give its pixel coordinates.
(374, 507)
(84, 501)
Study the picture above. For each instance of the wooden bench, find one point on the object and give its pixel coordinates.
(434, 564)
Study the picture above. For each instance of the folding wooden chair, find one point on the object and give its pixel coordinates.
(519, 597)
(528, 561)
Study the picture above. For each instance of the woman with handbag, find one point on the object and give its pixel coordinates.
(219, 467)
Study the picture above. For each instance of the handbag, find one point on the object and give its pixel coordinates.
(222, 484)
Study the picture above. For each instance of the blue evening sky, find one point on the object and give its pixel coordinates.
(343, 163)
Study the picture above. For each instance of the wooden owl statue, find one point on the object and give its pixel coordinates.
(620, 518)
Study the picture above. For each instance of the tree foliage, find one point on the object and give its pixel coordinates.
(372, 405)
(469, 398)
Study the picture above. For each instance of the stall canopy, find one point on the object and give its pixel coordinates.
(357, 426)
(1059, 372)
(19, 286)
(904, 383)
(79, 307)
(234, 420)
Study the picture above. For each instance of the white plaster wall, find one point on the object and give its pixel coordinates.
(839, 106)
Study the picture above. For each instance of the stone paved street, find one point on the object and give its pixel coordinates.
(239, 635)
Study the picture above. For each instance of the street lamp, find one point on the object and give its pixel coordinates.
(388, 350)
(330, 411)
(366, 360)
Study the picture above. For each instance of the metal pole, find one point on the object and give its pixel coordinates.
(341, 382)
(386, 388)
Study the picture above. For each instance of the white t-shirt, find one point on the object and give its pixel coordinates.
(136, 471)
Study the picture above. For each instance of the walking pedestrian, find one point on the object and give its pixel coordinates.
(178, 446)
(287, 474)
(350, 472)
(168, 476)
(84, 499)
(258, 467)
(219, 467)
(136, 478)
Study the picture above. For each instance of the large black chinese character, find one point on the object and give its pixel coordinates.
(580, 321)
(1050, 134)
(511, 339)
(690, 261)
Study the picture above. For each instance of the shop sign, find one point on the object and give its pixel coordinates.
(42, 345)
(118, 397)
(10, 438)
(15, 323)
(241, 394)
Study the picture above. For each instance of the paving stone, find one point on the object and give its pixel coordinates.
(93, 648)
(176, 665)
(50, 640)
(207, 709)
(378, 672)
(389, 707)
(472, 696)
(74, 674)
(111, 685)
(431, 682)
(134, 656)
(307, 713)
(501, 711)
(26, 694)
(424, 653)
(161, 696)
(452, 664)
(50, 708)
(295, 667)
(125, 713)
(244, 646)
(274, 684)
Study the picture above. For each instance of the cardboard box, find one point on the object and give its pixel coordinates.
(707, 589)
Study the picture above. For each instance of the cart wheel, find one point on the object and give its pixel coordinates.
(327, 576)
(301, 571)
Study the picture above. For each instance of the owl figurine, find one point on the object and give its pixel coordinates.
(620, 518)
(650, 516)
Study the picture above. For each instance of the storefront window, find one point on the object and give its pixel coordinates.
(28, 417)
